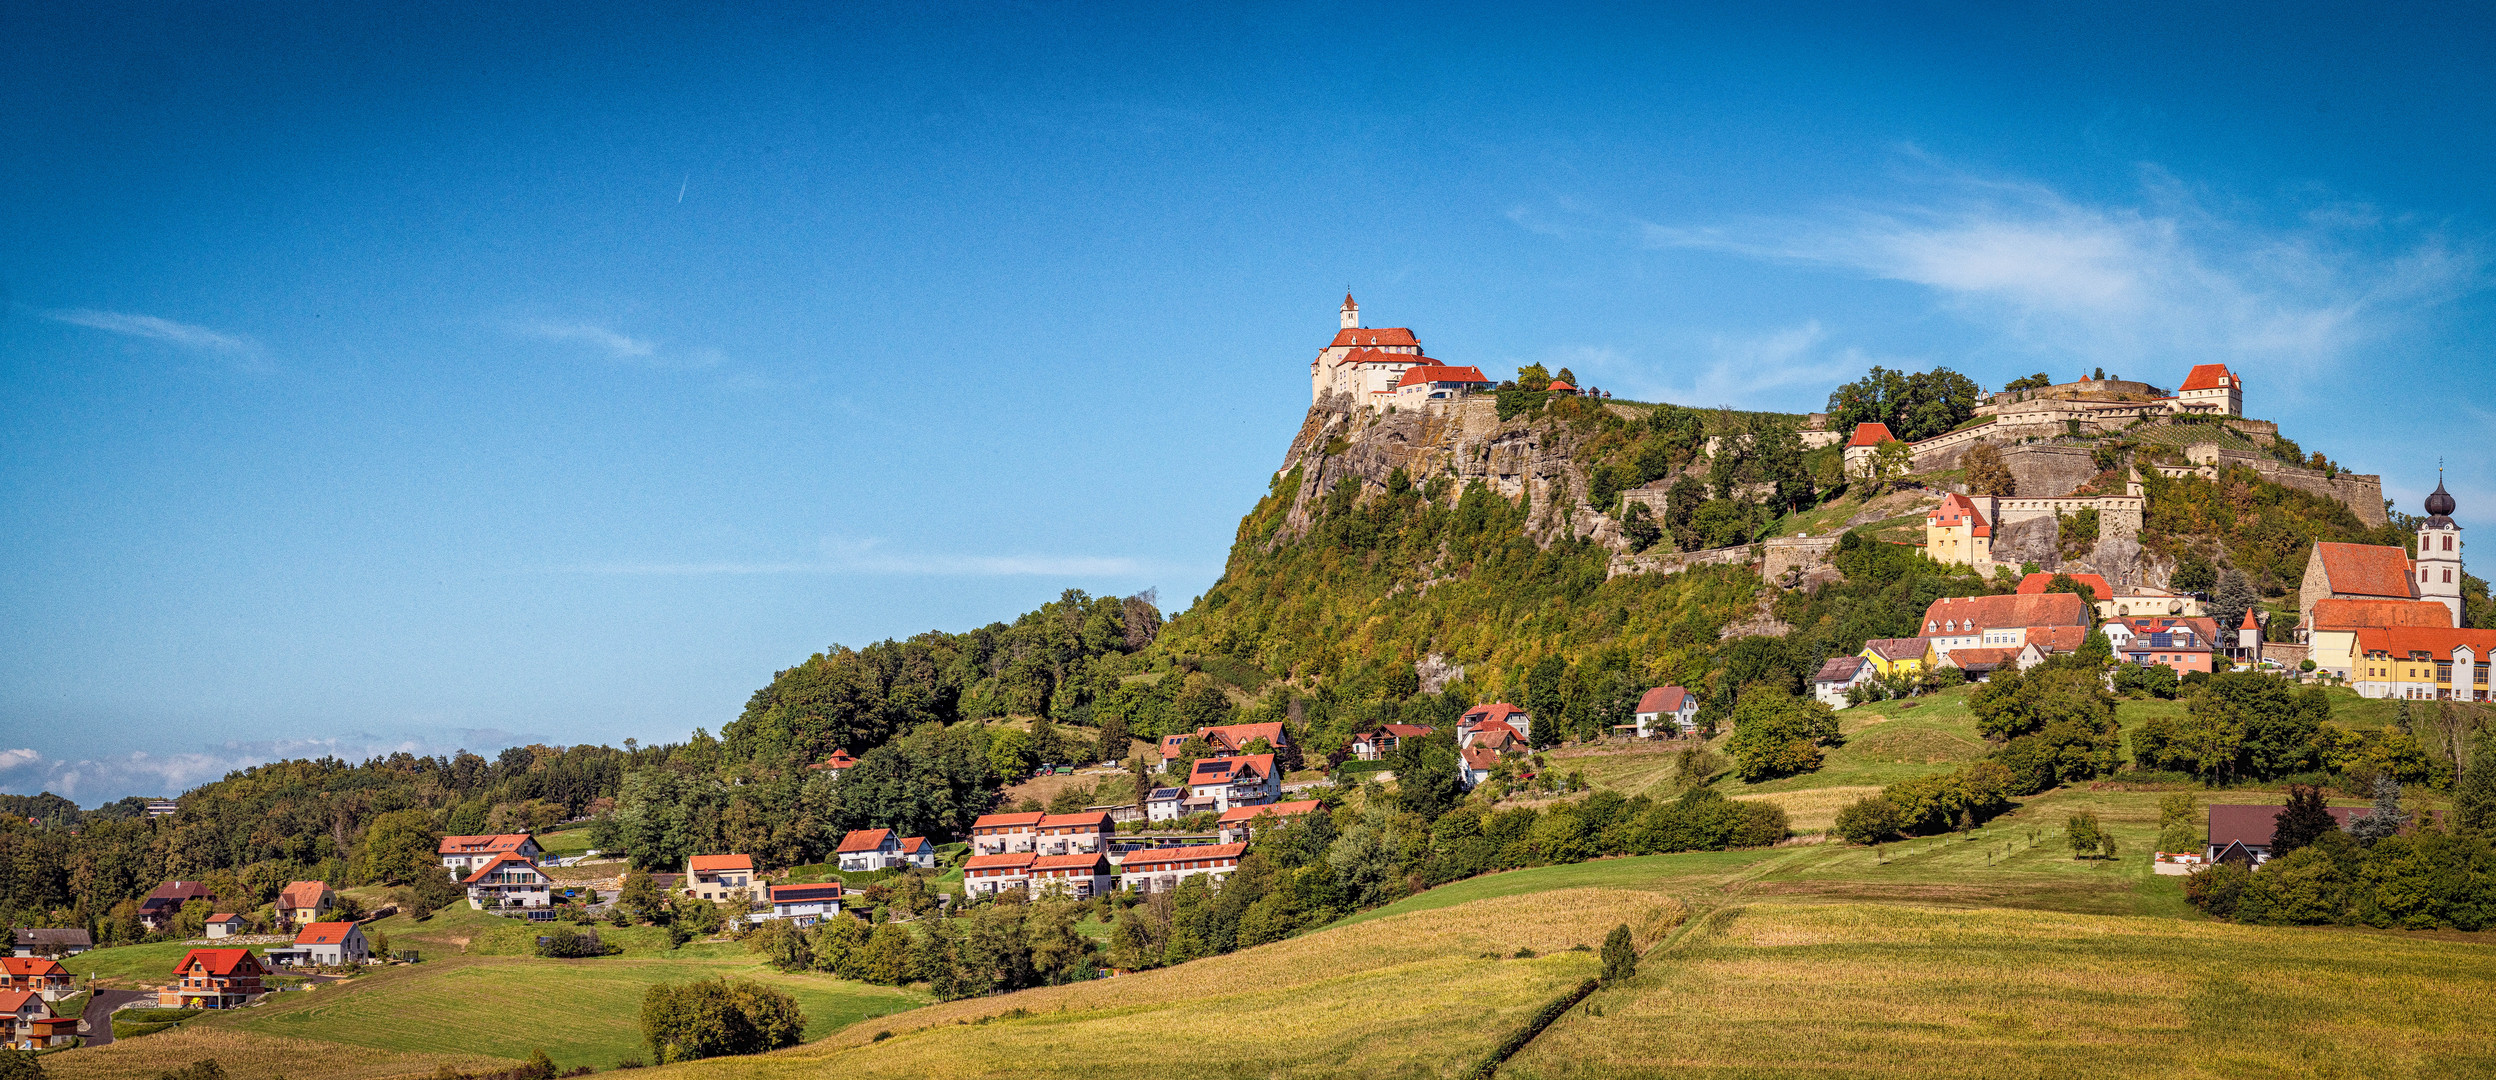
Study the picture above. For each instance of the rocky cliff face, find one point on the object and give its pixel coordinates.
(1464, 440)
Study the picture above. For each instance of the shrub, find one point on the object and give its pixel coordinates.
(566, 942)
(1620, 955)
(1868, 820)
(2084, 835)
(15, 1065)
(715, 1017)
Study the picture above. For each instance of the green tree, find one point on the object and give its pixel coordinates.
(2193, 574)
(1010, 754)
(2387, 817)
(20, 1065)
(398, 848)
(642, 896)
(1987, 473)
(784, 947)
(715, 1016)
(1777, 734)
(1620, 955)
(2083, 833)
(1914, 405)
(2474, 791)
(2303, 821)
(1869, 820)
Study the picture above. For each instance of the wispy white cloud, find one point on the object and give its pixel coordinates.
(103, 779)
(616, 346)
(152, 328)
(867, 557)
(2165, 280)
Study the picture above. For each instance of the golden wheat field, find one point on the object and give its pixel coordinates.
(248, 1056)
(1418, 994)
(1790, 990)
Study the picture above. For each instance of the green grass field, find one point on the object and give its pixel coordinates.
(1872, 990)
(565, 844)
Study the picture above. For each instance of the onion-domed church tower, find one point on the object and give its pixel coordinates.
(2439, 552)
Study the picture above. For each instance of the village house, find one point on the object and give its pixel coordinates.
(463, 854)
(2423, 664)
(2184, 644)
(806, 905)
(1994, 622)
(1979, 664)
(51, 942)
(868, 849)
(27, 1022)
(1163, 804)
(1082, 875)
(722, 878)
(1234, 826)
(40, 975)
(1373, 745)
(992, 874)
(1234, 781)
(1495, 737)
(214, 979)
(1837, 675)
(1895, 657)
(1155, 870)
(333, 943)
(224, 924)
(840, 762)
(1667, 710)
(1500, 712)
(2331, 630)
(1228, 740)
(918, 851)
(305, 902)
(157, 911)
(1070, 834)
(1474, 765)
(999, 834)
(2242, 834)
(511, 881)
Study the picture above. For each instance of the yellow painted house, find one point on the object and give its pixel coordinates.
(1895, 656)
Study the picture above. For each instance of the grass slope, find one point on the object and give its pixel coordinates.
(1413, 994)
(1788, 990)
(247, 1056)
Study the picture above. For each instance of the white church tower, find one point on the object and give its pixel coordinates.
(2439, 552)
(1351, 313)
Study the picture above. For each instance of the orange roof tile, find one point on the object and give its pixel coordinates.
(1482, 714)
(713, 864)
(31, 967)
(2208, 377)
(302, 894)
(2034, 584)
(1871, 435)
(1969, 614)
(1097, 818)
(2340, 614)
(221, 962)
(324, 933)
(2437, 642)
(1431, 372)
(2367, 570)
(1001, 860)
(1383, 337)
(481, 845)
(1080, 860)
(2058, 639)
(1172, 856)
(1662, 699)
(1007, 821)
(863, 840)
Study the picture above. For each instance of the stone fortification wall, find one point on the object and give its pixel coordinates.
(2049, 470)
(2030, 541)
(1944, 451)
(1794, 554)
(1654, 561)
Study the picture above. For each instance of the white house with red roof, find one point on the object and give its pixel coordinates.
(1993, 622)
(1474, 765)
(1153, 870)
(996, 873)
(334, 943)
(866, 850)
(718, 878)
(2211, 388)
(1234, 825)
(1226, 782)
(1435, 382)
(1860, 446)
(1501, 712)
(840, 762)
(805, 905)
(465, 853)
(510, 881)
(998, 834)
(1081, 874)
(1072, 834)
(1667, 710)
(1373, 745)
(224, 924)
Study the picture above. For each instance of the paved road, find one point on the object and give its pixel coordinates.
(99, 1015)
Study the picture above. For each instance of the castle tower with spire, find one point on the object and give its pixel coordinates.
(1363, 362)
(2439, 552)
(1351, 313)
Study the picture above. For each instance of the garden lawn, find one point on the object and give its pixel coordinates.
(1873, 990)
(565, 844)
(1420, 994)
(581, 1012)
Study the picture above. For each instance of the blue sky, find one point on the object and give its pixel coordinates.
(381, 378)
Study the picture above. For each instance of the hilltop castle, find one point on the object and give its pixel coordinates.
(1379, 367)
